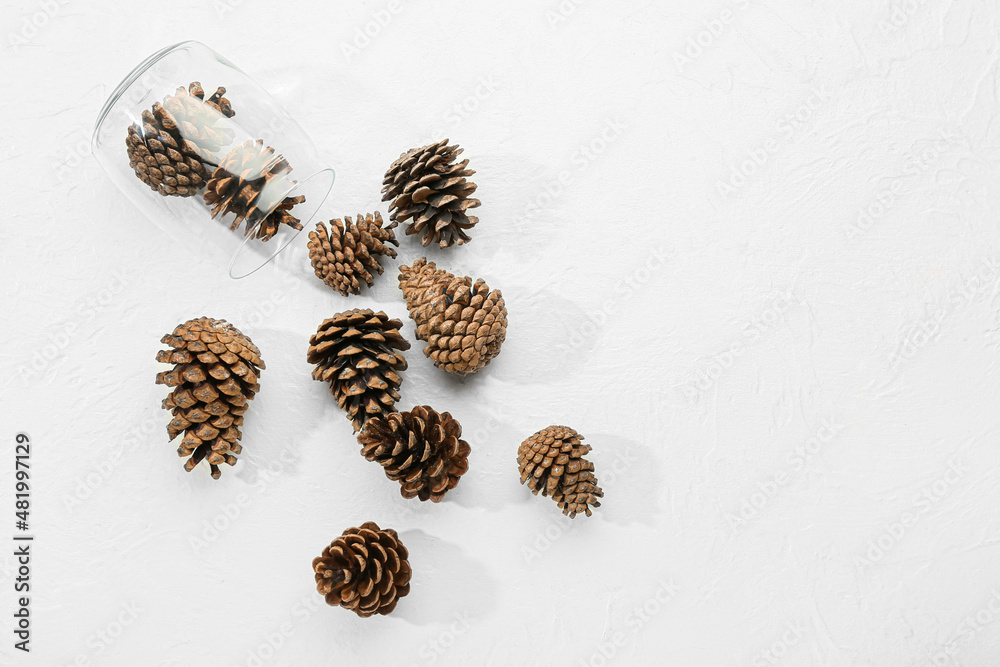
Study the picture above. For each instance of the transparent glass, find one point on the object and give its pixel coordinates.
(271, 195)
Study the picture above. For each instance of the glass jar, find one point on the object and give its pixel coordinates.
(225, 171)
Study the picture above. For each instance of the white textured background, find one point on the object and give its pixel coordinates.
(749, 249)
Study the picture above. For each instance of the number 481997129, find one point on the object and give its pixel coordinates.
(22, 475)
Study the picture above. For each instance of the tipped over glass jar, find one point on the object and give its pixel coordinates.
(210, 157)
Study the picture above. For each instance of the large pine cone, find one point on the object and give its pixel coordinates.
(551, 462)
(364, 570)
(169, 150)
(427, 187)
(355, 351)
(351, 252)
(248, 183)
(420, 449)
(462, 323)
(214, 377)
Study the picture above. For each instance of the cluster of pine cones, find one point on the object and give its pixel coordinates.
(182, 147)
(358, 352)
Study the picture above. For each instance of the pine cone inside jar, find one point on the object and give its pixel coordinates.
(463, 323)
(365, 570)
(356, 352)
(250, 184)
(427, 187)
(170, 148)
(215, 376)
(551, 462)
(349, 254)
(421, 449)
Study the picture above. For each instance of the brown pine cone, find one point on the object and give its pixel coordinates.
(551, 462)
(463, 324)
(364, 570)
(214, 377)
(355, 351)
(350, 252)
(248, 183)
(420, 449)
(169, 150)
(427, 187)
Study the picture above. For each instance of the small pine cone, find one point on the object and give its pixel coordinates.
(214, 377)
(246, 184)
(355, 351)
(420, 449)
(350, 252)
(551, 462)
(364, 570)
(427, 187)
(169, 150)
(462, 323)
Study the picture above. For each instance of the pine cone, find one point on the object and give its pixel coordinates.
(169, 150)
(462, 323)
(214, 377)
(420, 449)
(551, 462)
(427, 187)
(350, 252)
(364, 570)
(355, 351)
(248, 183)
